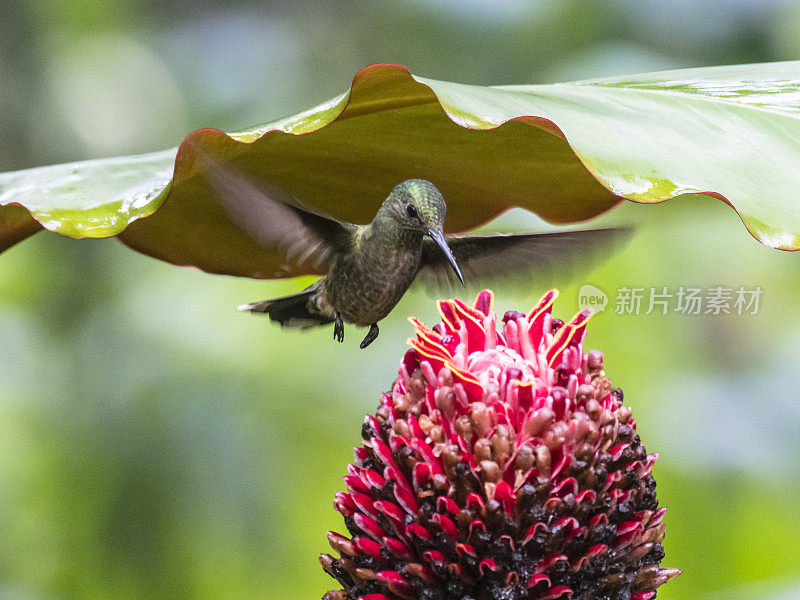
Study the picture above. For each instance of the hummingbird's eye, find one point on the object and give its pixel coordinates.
(411, 211)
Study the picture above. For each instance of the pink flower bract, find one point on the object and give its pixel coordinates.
(502, 465)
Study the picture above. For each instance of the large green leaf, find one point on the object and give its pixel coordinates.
(565, 151)
(95, 198)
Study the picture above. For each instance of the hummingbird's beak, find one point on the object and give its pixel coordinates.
(438, 237)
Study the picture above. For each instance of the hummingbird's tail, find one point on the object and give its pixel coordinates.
(290, 311)
(293, 311)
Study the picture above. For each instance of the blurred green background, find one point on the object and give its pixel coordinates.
(154, 443)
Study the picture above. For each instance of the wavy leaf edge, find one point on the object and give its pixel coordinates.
(765, 234)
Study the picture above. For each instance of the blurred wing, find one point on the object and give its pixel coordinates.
(308, 241)
(532, 259)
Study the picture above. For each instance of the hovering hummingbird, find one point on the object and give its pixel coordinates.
(368, 268)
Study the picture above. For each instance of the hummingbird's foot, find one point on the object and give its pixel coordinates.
(371, 335)
(338, 328)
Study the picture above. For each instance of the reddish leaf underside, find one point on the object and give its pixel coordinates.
(346, 169)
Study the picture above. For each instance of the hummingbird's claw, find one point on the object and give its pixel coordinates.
(371, 335)
(338, 329)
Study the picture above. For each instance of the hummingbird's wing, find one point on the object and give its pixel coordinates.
(308, 241)
(529, 258)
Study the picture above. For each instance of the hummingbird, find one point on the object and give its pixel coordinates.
(368, 268)
(371, 266)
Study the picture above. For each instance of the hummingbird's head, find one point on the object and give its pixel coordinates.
(416, 204)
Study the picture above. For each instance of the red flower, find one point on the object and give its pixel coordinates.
(502, 465)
